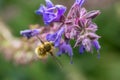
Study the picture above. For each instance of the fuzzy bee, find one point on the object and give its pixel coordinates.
(44, 49)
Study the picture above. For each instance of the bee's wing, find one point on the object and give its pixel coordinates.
(56, 60)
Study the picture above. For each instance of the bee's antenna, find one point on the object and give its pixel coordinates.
(57, 61)
(39, 39)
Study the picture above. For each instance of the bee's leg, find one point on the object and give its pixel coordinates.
(39, 39)
(57, 61)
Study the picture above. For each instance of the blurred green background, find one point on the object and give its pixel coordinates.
(19, 14)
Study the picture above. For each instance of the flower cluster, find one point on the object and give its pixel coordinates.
(76, 25)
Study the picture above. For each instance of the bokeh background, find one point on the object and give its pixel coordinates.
(19, 14)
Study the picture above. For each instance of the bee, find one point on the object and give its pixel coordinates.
(44, 49)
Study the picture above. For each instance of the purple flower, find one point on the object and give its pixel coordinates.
(96, 44)
(30, 33)
(65, 48)
(81, 49)
(79, 2)
(86, 36)
(56, 37)
(87, 41)
(51, 13)
(87, 45)
(42, 8)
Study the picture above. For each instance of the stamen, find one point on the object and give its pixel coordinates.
(71, 60)
(98, 56)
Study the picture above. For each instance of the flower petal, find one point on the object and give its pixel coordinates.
(56, 37)
(29, 33)
(92, 36)
(83, 11)
(79, 2)
(92, 14)
(81, 49)
(48, 17)
(60, 10)
(66, 48)
(51, 37)
(96, 44)
(87, 45)
(49, 4)
(40, 10)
